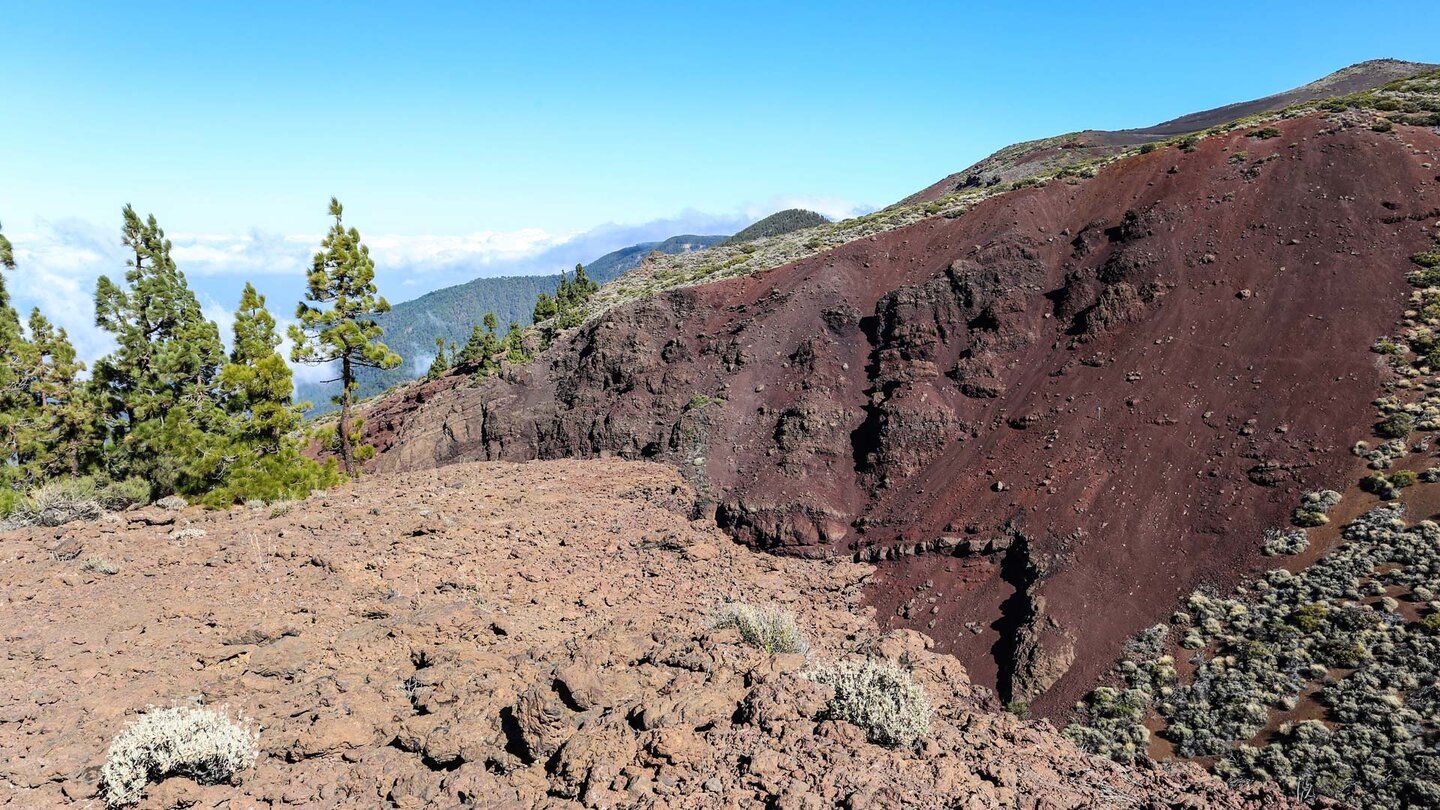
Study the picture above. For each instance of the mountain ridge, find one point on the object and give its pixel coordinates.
(778, 224)
(1022, 159)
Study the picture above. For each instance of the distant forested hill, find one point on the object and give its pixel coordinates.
(779, 223)
(412, 326)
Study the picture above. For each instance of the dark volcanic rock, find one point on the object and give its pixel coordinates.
(1071, 360)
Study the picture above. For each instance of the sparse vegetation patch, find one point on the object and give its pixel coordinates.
(1336, 634)
(769, 628)
(64, 500)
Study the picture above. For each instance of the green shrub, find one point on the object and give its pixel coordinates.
(1113, 724)
(1341, 653)
(1284, 635)
(879, 698)
(1264, 133)
(1310, 617)
(10, 500)
(59, 502)
(100, 565)
(1278, 542)
(1403, 478)
(1386, 346)
(64, 500)
(701, 401)
(1377, 484)
(1430, 260)
(117, 495)
(172, 503)
(1395, 426)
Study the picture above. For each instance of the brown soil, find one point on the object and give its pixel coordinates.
(492, 635)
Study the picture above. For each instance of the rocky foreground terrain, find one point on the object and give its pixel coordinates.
(494, 635)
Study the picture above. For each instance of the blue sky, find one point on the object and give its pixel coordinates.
(473, 138)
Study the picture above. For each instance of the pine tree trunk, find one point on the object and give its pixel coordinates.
(347, 453)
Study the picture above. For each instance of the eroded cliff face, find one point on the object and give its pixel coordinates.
(1134, 375)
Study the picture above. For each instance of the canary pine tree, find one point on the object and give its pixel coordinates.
(16, 403)
(337, 324)
(156, 391)
(261, 456)
(571, 296)
(482, 351)
(544, 308)
(567, 309)
(441, 363)
(160, 413)
(514, 343)
(62, 435)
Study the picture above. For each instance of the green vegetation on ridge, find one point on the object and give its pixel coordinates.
(451, 314)
(778, 224)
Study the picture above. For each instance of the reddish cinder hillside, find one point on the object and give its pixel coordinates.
(1045, 419)
(1022, 160)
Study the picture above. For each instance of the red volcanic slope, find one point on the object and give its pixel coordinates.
(1048, 418)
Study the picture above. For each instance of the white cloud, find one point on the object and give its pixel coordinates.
(259, 253)
(833, 208)
(481, 247)
(251, 254)
(56, 272)
(59, 261)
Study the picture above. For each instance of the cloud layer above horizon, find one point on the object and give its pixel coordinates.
(60, 260)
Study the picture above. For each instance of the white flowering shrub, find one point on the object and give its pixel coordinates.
(878, 697)
(1285, 541)
(202, 744)
(1313, 508)
(771, 629)
(172, 503)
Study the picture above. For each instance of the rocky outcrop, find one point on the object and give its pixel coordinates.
(1141, 370)
(534, 636)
